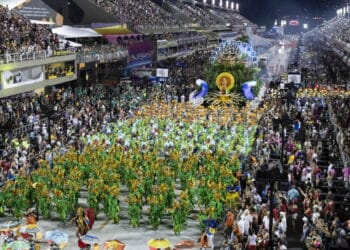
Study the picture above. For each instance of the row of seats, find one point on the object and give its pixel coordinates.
(146, 12)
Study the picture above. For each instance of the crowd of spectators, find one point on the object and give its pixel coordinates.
(101, 48)
(340, 106)
(25, 127)
(196, 14)
(335, 36)
(176, 14)
(24, 116)
(62, 70)
(141, 12)
(311, 202)
(338, 28)
(18, 35)
(97, 51)
(184, 72)
(74, 113)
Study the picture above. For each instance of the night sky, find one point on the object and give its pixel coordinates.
(264, 12)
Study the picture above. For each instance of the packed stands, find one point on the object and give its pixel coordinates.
(141, 12)
(18, 35)
(338, 28)
(101, 52)
(197, 14)
(340, 107)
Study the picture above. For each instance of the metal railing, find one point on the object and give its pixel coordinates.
(35, 55)
(155, 28)
(23, 130)
(85, 57)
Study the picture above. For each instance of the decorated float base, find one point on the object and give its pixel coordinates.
(133, 238)
(187, 112)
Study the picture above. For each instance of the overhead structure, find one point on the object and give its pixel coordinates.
(67, 32)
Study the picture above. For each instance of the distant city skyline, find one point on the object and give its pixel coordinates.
(264, 12)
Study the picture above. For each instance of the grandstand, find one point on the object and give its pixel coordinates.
(96, 73)
(130, 37)
(335, 33)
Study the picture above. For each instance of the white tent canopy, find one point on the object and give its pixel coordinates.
(74, 32)
(11, 3)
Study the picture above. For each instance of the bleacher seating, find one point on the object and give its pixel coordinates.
(18, 35)
(140, 12)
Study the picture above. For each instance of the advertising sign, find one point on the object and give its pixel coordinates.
(296, 78)
(162, 72)
(140, 54)
(40, 11)
(20, 77)
(293, 23)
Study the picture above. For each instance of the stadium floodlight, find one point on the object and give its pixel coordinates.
(237, 7)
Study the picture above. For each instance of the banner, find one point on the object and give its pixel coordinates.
(140, 54)
(20, 77)
(40, 11)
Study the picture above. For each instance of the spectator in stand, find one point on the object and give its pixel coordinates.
(140, 12)
(20, 36)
